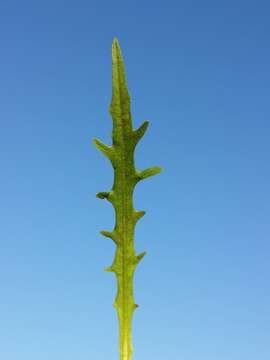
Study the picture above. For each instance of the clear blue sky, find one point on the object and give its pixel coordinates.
(199, 72)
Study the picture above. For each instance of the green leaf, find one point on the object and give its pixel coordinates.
(121, 154)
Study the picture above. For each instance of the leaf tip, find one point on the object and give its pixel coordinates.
(149, 172)
(109, 269)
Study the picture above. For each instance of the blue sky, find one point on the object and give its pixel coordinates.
(199, 72)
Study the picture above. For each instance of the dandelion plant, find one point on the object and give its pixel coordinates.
(126, 176)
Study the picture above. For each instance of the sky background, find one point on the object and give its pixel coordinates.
(199, 72)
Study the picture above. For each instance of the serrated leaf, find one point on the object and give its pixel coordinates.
(121, 196)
